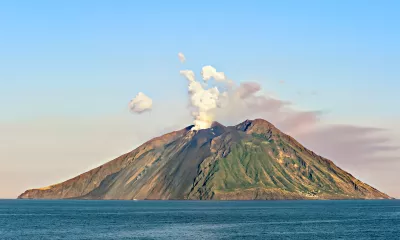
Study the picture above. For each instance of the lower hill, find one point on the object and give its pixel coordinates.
(252, 160)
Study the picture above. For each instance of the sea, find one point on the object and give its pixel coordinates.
(87, 219)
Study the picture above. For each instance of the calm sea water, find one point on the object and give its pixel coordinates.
(65, 219)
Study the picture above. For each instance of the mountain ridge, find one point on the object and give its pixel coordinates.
(251, 160)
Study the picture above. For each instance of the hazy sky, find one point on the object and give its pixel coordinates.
(68, 70)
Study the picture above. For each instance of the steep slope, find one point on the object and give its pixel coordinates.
(252, 160)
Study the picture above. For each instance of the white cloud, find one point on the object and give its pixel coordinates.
(141, 103)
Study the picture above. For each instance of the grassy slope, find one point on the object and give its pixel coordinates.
(271, 167)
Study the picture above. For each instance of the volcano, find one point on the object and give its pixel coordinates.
(249, 161)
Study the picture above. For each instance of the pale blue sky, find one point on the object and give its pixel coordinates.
(89, 57)
(65, 63)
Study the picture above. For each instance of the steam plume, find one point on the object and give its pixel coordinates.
(211, 102)
(208, 72)
(202, 100)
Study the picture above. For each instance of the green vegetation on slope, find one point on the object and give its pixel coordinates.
(270, 163)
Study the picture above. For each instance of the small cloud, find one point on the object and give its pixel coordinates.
(282, 82)
(181, 57)
(141, 103)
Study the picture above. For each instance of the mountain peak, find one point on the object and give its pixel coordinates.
(260, 121)
(255, 126)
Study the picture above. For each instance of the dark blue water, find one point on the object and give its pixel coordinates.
(62, 219)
